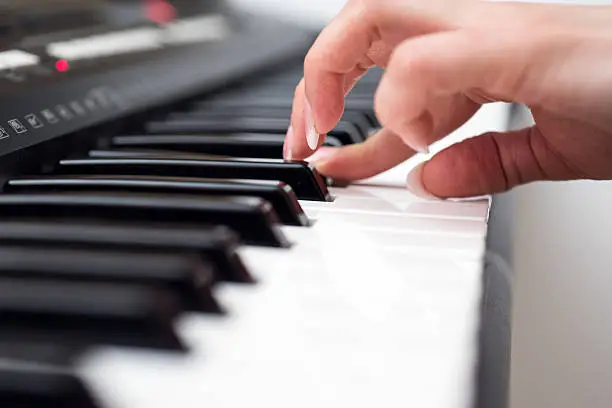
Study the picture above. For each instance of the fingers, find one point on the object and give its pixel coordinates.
(363, 35)
(296, 144)
(335, 62)
(339, 56)
(488, 164)
(304, 136)
(424, 74)
(377, 154)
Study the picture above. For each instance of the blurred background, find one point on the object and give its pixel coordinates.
(563, 270)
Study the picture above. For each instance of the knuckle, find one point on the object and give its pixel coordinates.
(407, 60)
(491, 154)
(365, 11)
(312, 59)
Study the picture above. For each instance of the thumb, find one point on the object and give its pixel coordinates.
(489, 164)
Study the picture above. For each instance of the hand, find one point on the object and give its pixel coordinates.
(443, 60)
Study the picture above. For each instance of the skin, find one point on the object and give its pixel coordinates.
(443, 60)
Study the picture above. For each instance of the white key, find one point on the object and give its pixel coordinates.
(386, 222)
(393, 227)
(477, 211)
(415, 244)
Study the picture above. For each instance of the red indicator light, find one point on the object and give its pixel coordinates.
(159, 11)
(62, 65)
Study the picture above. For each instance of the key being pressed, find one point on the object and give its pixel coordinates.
(346, 132)
(302, 177)
(232, 145)
(217, 245)
(279, 194)
(32, 386)
(252, 218)
(88, 314)
(186, 276)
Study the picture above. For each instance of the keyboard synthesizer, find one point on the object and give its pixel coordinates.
(157, 251)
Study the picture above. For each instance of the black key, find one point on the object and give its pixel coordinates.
(279, 194)
(301, 176)
(363, 106)
(359, 120)
(39, 353)
(373, 76)
(26, 386)
(346, 132)
(217, 245)
(88, 314)
(294, 75)
(231, 145)
(253, 218)
(361, 91)
(276, 101)
(187, 277)
(127, 153)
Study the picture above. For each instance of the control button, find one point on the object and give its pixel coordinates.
(14, 59)
(13, 76)
(50, 116)
(100, 96)
(117, 99)
(3, 133)
(91, 104)
(77, 108)
(17, 126)
(64, 112)
(107, 45)
(34, 121)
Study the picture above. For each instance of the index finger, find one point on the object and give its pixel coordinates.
(337, 59)
(363, 35)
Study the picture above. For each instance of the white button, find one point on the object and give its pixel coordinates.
(104, 45)
(14, 59)
(212, 27)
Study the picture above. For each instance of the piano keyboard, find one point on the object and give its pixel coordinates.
(179, 261)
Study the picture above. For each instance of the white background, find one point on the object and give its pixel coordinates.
(562, 351)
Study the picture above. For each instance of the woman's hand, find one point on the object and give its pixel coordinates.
(443, 59)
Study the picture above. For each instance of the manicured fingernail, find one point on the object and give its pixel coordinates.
(414, 136)
(312, 137)
(321, 155)
(287, 145)
(414, 183)
(423, 149)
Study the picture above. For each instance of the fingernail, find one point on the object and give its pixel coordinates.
(421, 149)
(321, 155)
(312, 137)
(287, 145)
(414, 134)
(414, 184)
